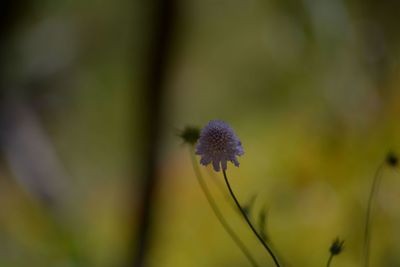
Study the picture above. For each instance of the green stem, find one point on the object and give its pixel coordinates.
(218, 213)
(367, 232)
(329, 260)
(262, 241)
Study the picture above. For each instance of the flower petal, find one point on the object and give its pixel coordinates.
(235, 161)
(224, 164)
(216, 165)
(205, 160)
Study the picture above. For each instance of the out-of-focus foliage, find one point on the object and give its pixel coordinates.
(310, 87)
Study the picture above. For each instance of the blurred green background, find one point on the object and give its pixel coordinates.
(310, 87)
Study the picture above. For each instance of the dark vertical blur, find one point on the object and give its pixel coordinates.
(162, 14)
(9, 11)
(10, 14)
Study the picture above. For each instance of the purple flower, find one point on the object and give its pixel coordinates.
(218, 144)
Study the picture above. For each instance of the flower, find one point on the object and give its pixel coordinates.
(336, 247)
(190, 135)
(218, 144)
(391, 159)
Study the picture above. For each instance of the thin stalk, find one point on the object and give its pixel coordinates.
(329, 260)
(367, 231)
(262, 241)
(218, 213)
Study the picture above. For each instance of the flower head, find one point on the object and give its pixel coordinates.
(391, 159)
(336, 247)
(218, 144)
(190, 135)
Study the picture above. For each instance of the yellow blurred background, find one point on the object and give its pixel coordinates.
(310, 87)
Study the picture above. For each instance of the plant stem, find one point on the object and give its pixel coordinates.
(262, 241)
(329, 260)
(218, 213)
(367, 232)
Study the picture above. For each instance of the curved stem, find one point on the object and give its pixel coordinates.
(367, 231)
(262, 241)
(218, 213)
(329, 260)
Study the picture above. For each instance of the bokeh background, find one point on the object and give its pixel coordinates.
(310, 87)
